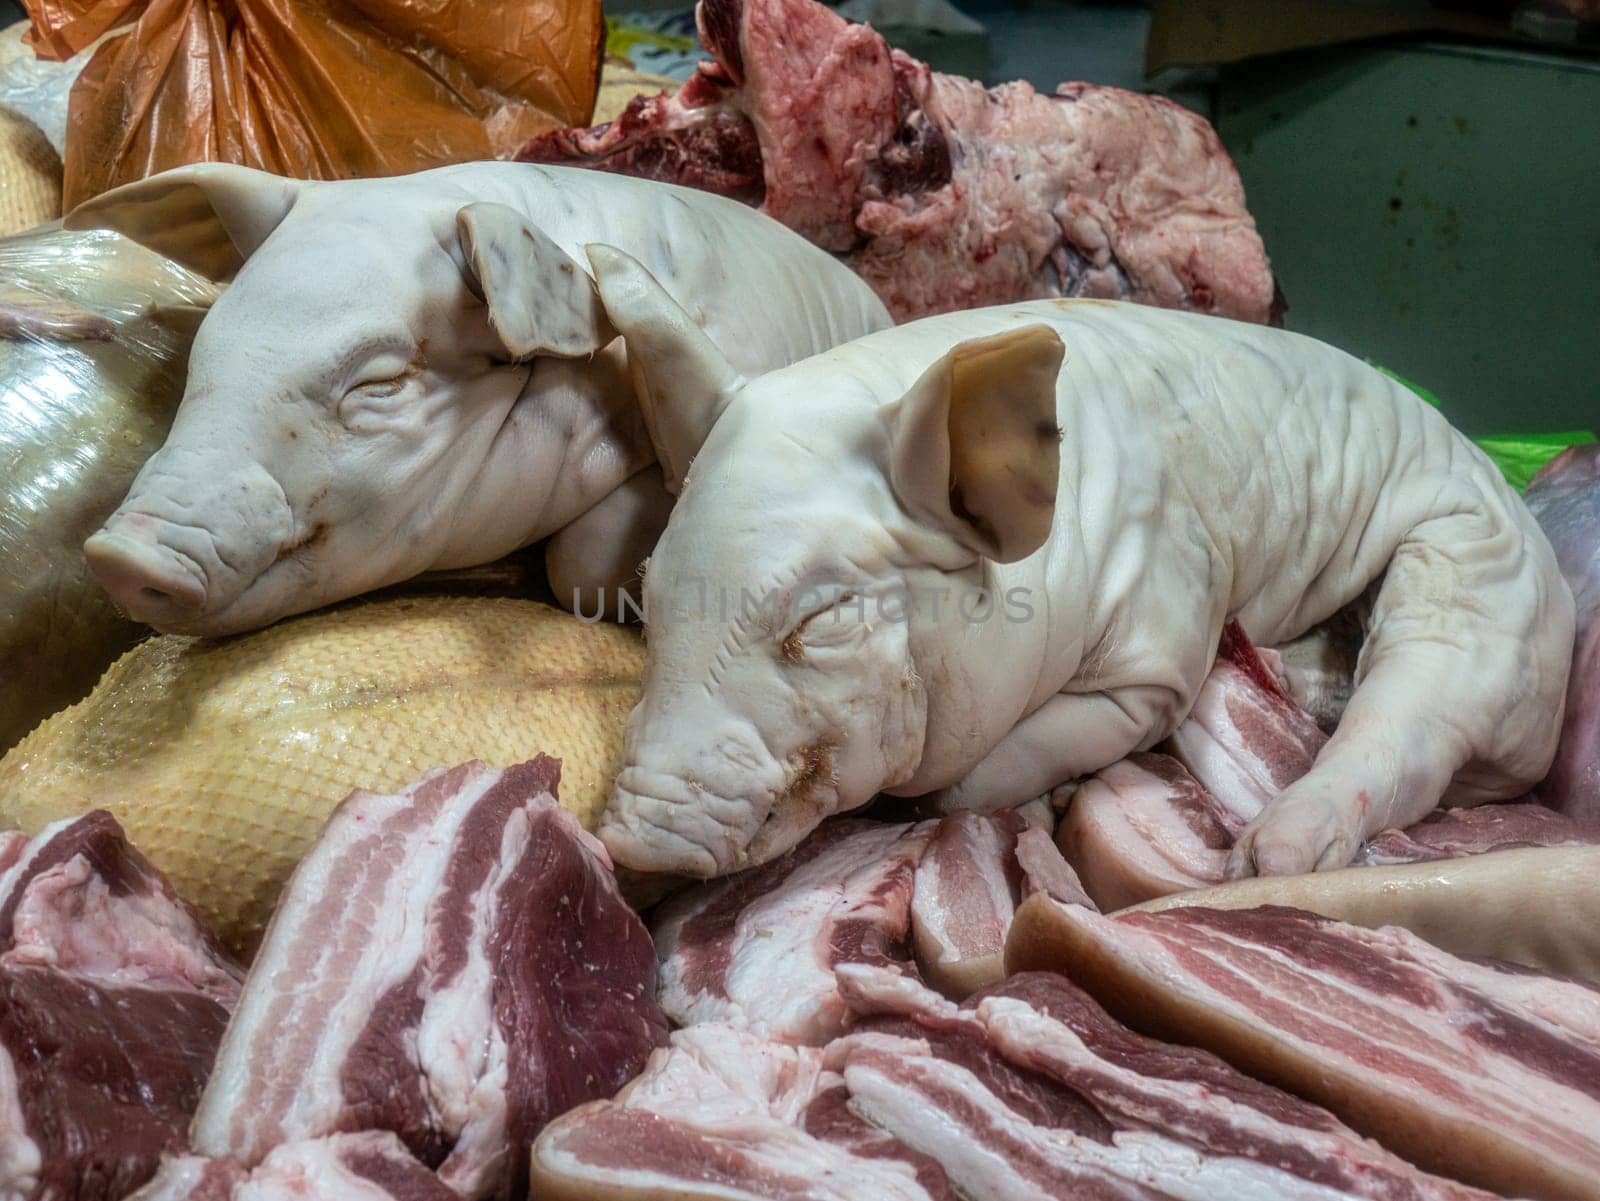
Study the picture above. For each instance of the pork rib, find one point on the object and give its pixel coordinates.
(453, 964)
(940, 193)
(113, 999)
(1471, 1068)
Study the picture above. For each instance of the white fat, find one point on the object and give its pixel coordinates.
(460, 1047)
(68, 919)
(20, 1159)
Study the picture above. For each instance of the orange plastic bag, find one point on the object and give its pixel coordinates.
(317, 89)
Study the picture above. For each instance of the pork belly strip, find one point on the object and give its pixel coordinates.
(1058, 1061)
(453, 964)
(1455, 833)
(722, 1113)
(113, 999)
(1477, 1070)
(369, 1166)
(1537, 906)
(759, 949)
(940, 193)
(974, 873)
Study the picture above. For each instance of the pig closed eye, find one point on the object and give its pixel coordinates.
(839, 626)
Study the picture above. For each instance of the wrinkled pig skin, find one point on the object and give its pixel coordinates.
(1565, 497)
(1118, 482)
(413, 373)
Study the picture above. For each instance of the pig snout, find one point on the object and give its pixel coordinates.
(739, 808)
(180, 566)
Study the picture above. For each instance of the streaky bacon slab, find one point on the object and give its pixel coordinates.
(973, 874)
(453, 964)
(1456, 833)
(1478, 1070)
(722, 1113)
(759, 949)
(113, 999)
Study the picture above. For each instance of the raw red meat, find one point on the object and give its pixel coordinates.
(1454, 833)
(113, 999)
(943, 194)
(453, 964)
(1472, 1068)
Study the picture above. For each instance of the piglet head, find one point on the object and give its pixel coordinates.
(789, 661)
(346, 396)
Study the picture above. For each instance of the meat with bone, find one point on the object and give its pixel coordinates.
(1565, 498)
(940, 193)
(113, 999)
(367, 1166)
(1473, 1068)
(453, 964)
(758, 950)
(975, 872)
(722, 1113)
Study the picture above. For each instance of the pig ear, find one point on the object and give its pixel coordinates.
(540, 301)
(209, 217)
(974, 447)
(683, 381)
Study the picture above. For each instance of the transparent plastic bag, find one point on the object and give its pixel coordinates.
(94, 345)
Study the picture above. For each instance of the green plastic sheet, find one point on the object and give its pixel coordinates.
(1519, 456)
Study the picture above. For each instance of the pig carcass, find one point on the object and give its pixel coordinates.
(943, 194)
(413, 373)
(1565, 497)
(995, 550)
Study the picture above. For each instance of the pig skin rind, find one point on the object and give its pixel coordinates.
(1209, 470)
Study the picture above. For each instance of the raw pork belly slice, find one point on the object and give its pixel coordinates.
(113, 999)
(725, 1114)
(1244, 739)
(758, 949)
(1565, 498)
(370, 1166)
(1457, 833)
(1144, 827)
(1471, 1068)
(1036, 1069)
(453, 964)
(939, 193)
(974, 873)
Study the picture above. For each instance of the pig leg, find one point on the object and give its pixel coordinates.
(1457, 681)
(593, 560)
(1068, 736)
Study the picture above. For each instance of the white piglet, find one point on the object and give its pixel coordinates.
(982, 554)
(415, 373)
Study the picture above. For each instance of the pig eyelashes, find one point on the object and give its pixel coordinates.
(832, 626)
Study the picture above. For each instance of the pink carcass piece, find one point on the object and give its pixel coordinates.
(940, 193)
(113, 999)
(1029, 1090)
(1485, 1071)
(453, 965)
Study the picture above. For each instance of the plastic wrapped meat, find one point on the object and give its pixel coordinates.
(94, 342)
